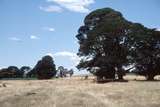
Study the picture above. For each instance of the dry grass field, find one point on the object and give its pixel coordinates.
(77, 92)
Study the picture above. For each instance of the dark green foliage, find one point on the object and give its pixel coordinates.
(45, 68)
(148, 56)
(63, 72)
(108, 42)
(31, 74)
(26, 71)
(11, 72)
(99, 41)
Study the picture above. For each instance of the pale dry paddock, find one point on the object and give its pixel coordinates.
(77, 92)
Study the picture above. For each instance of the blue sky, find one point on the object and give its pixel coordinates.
(30, 29)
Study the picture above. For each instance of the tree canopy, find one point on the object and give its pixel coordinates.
(11, 72)
(45, 68)
(108, 42)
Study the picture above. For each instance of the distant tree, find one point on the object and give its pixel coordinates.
(15, 72)
(31, 74)
(11, 72)
(60, 71)
(3, 73)
(63, 72)
(71, 72)
(25, 70)
(45, 68)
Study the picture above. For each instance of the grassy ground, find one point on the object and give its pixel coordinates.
(77, 92)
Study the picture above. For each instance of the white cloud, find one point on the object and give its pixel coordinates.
(50, 54)
(33, 37)
(74, 5)
(158, 29)
(14, 39)
(51, 8)
(51, 29)
(72, 56)
(2, 67)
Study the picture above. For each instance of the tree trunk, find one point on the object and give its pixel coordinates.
(120, 76)
(150, 77)
(99, 78)
(120, 73)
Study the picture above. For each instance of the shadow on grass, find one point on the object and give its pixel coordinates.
(146, 80)
(123, 81)
(18, 79)
(107, 81)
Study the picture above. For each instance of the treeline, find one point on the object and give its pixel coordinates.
(13, 72)
(109, 44)
(44, 69)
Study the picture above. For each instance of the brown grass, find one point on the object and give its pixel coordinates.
(77, 92)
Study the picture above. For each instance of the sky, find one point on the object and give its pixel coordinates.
(31, 29)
